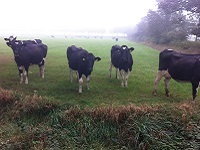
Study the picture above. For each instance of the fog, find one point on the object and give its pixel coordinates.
(61, 17)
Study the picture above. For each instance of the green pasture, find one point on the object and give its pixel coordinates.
(103, 91)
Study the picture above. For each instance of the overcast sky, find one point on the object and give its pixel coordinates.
(46, 16)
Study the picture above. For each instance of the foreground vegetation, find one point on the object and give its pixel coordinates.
(50, 114)
(37, 123)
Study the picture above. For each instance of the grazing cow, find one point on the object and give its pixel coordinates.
(180, 67)
(27, 54)
(121, 59)
(82, 62)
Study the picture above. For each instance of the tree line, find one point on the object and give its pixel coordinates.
(173, 21)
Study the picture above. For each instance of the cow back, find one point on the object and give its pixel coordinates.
(185, 69)
(169, 57)
(33, 53)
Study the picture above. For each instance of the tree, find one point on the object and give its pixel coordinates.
(167, 24)
(196, 31)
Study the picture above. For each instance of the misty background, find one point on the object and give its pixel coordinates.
(62, 17)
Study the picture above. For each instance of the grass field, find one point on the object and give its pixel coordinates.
(103, 90)
(105, 117)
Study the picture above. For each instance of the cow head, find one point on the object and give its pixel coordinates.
(88, 62)
(14, 44)
(125, 53)
(10, 41)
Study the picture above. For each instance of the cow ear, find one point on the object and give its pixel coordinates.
(97, 58)
(6, 39)
(131, 49)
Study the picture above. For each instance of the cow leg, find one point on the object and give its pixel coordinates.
(126, 78)
(26, 75)
(80, 84)
(20, 68)
(195, 86)
(122, 77)
(77, 75)
(117, 73)
(88, 80)
(71, 71)
(157, 80)
(42, 71)
(42, 67)
(167, 85)
(110, 69)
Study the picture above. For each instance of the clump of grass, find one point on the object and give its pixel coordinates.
(33, 105)
(6, 98)
(15, 105)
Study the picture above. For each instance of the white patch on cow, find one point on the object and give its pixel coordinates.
(197, 89)
(40, 62)
(21, 67)
(16, 43)
(11, 38)
(170, 49)
(80, 85)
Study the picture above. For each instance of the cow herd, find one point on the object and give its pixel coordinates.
(27, 52)
(172, 64)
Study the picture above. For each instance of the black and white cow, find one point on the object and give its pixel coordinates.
(180, 67)
(27, 54)
(122, 60)
(82, 62)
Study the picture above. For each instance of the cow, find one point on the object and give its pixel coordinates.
(81, 61)
(27, 54)
(122, 60)
(180, 67)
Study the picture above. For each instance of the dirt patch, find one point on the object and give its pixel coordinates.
(6, 59)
